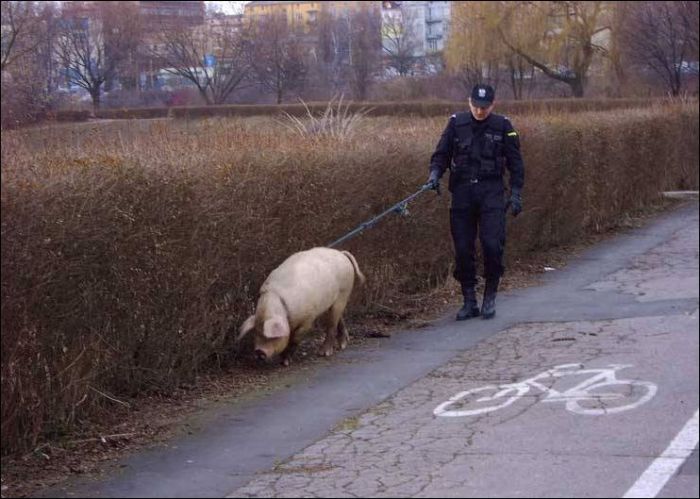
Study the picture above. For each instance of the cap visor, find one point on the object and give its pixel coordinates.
(481, 103)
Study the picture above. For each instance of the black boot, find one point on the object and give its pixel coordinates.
(470, 308)
(488, 307)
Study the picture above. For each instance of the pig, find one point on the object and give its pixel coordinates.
(308, 285)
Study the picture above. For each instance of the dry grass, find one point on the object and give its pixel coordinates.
(130, 248)
(335, 123)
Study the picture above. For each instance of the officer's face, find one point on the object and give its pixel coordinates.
(480, 113)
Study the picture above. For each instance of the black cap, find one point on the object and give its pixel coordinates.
(482, 95)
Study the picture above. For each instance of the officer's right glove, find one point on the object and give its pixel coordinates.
(433, 181)
(516, 202)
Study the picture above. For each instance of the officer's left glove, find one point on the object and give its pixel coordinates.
(516, 202)
(433, 181)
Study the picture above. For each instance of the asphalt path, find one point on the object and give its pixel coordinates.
(585, 385)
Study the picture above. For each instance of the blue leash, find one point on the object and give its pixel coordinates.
(401, 208)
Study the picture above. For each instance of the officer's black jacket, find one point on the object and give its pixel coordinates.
(444, 152)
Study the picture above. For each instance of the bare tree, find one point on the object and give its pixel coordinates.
(663, 37)
(519, 72)
(132, 48)
(278, 56)
(399, 40)
(45, 73)
(20, 26)
(91, 45)
(365, 49)
(472, 71)
(333, 51)
(215, 59)
(617, 59)
(28, 69)
(471, 53)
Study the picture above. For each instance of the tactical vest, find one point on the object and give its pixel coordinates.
(482, 158)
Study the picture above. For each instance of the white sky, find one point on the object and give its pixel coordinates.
(229, 7)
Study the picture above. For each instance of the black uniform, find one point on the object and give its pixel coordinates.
(477, 152)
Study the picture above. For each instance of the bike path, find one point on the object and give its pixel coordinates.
(613, 305)
(531, 448)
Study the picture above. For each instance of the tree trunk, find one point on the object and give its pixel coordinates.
(676, 83)
(576, 87)
(620, 80)
(95, 94)
(205, 96)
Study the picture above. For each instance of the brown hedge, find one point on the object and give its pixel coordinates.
(129, 250)
(421, 108)
(133, 113)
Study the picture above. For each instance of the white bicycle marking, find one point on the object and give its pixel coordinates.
(577, 399)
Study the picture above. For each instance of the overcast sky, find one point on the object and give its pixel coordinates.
(229, 7)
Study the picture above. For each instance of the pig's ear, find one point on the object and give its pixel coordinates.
(275, 328)
(246, 327)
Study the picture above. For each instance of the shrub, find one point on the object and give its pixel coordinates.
(130, 249)
(404, 108)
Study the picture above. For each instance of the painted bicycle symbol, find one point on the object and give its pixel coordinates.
(601, 393)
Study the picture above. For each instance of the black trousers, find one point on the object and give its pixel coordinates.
(478, 208)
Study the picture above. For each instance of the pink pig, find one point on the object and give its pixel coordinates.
(308, 285)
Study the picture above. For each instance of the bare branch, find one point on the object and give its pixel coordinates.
(215, 59)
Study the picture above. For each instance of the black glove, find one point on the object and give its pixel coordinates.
(433, 181)
(516, 203)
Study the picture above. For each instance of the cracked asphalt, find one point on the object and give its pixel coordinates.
(600, 364)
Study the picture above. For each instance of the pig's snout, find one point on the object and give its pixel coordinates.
(260, 355)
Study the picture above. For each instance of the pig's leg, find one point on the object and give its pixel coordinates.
(341, 330)
(343, 336)
(294, 339)
(286, 355)
(330, 323)
(335, 328)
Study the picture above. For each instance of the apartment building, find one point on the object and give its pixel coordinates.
(304, 16)
(301, 16)
(424, 24)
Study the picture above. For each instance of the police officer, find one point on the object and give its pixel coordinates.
(477, 146)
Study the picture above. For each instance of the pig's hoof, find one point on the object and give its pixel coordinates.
(286, 362)
(326, 352)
